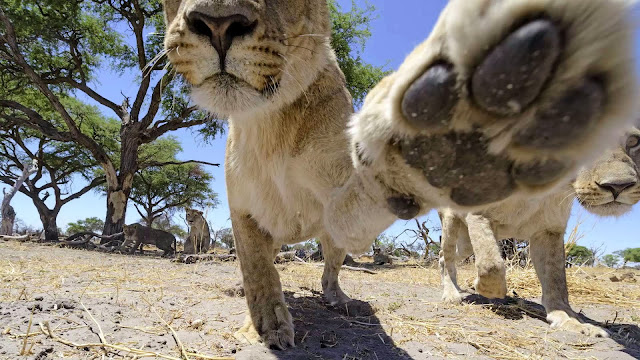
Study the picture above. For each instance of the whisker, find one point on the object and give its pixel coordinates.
(302, 47)
(152, 63)
(303, 35)
(304, 92)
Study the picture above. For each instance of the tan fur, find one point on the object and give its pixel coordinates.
(140, 235)
(289, 159)
(542, 221)
(199, 239)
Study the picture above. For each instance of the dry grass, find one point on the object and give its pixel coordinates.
(406, 299)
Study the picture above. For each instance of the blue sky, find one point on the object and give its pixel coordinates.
(395, 32)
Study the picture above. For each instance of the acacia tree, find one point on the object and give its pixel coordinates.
(61, 165)
(92, 224)
(158, 190)
(56, 47)
(58, 164)
(629, 255)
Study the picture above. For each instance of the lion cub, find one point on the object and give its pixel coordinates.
(139, 235)
(503, 99)
(610, 187)
(199, 239)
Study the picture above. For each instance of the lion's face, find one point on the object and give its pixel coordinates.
(193, 216)
(129, 230)
(612, 186)
(242, 55)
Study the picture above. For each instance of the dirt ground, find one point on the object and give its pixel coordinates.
(135, 303)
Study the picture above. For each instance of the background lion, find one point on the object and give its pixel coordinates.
(504, 98)
(199, 239)
(610, 187)
(139, 235)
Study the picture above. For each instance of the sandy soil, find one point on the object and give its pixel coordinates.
(136, 302)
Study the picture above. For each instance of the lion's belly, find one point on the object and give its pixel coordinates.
(523, 219)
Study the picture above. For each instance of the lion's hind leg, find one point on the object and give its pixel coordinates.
(547, 253)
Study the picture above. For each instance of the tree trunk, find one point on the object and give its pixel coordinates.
(8, 219)
(116, 211)
(119, 187)
(6, 211)
(50, 225)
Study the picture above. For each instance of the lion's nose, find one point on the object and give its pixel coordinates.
(616, 188)
(221, 31)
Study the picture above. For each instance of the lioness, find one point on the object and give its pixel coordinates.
(610, 187)
(504, 98)
(140, 235)
(199, 239)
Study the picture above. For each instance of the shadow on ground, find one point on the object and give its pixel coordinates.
(515, 308)
(323, 332)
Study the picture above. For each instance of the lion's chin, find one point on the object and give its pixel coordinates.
(225, 95)
(612, 209)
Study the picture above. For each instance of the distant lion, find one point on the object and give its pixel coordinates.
(139, 235)
(199, 239)
(502, 99)
(609, 187)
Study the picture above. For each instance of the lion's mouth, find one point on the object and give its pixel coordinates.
(222, 79)
(612, 208)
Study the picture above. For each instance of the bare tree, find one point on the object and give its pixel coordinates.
(7, 211)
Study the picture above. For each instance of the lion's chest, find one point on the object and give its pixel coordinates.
(270, 188)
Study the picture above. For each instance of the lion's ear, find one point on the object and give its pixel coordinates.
(170, 10)
(199, 212)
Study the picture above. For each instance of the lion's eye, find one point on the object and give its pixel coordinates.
(633, 142)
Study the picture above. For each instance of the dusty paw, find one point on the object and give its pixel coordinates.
(247, 334)
(493, 287)
(505, 98)
(271, 324)
(335, 296)
(562, 320)
(451, 296)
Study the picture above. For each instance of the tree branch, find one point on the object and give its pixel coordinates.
(93, 184)
(165, 163)
(35, 121)
(156, 98)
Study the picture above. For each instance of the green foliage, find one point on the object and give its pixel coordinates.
(579, 255)
(158, 189)
(92, 224)
(350, 31)
(611, 260)
(166, 223)
(629, 255)
(225, 237)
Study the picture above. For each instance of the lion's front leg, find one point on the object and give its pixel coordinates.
(504, 99)
(269, 316)
(547, 254)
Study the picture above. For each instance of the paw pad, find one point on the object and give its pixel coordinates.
(511, 77)
(429, 101)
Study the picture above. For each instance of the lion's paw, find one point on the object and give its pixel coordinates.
(491, 282)
(334, 295)
(247, 333)
(561, 320)
(505, 98)
(273, 326)
(451, 295)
